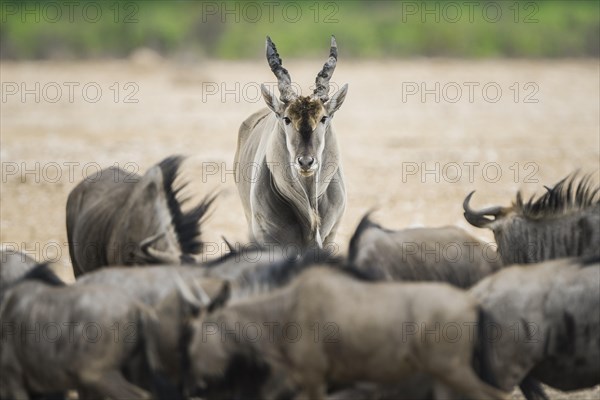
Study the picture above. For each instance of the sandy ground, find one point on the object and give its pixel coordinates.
(491, 126)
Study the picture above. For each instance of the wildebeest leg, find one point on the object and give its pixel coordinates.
(52, 396)
(312, 392)
(113, 385)
(17, 392)
(11, 385)
(532, 389)
(463, 379)
(278, 386)
(443, 392)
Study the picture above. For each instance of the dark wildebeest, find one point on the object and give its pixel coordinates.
(13, 266)
(447, 254)
(287, 164)
(247, 273)
(344, 330)
(57, 338)
(548, 322)
(564, 222)
(162, 288)
(126, 219)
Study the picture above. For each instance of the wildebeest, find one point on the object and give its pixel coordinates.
(447, 254)
(548, 325)
(344, 330)
(121, 218)
(163, 289)
(564, 222)
(57, 337)
(13, 266)
(287, 163)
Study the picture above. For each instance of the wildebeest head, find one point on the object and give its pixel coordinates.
(154, 206)
(207, 352)
(564, 222)
(305, 120)
(168, 338)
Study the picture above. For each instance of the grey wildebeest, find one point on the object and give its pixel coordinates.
(548, 322)
(162, 288)
(287, 164)
(564, 222)
(247, 273)
(121, 218)
(345, 330)
(57, 338)
(447, 254)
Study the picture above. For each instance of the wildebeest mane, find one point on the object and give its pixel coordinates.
(218, 261)
(187, 224)
(364, 224)
(570, 194)
(233, 252)
(282, 272)
(43, 273)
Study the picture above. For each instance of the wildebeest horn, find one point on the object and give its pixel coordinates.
(188, 296)
(150, 241)
(284, 81)
(323, 77)
(158, 255)
(228, 244)
(479, 218)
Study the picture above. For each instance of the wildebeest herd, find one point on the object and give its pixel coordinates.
(284, 317)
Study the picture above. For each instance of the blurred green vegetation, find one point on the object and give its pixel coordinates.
(236, 29)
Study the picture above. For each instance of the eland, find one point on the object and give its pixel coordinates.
(287, 163)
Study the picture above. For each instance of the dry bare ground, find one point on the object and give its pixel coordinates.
(413, 159)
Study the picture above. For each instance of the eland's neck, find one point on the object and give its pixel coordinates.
(303, 193)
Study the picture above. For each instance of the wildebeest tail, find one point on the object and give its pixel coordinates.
(161, 386)
(482, 356)
(532, 389)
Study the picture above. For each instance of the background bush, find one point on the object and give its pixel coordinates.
(236, 30)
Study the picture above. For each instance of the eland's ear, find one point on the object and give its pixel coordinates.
(221, 298)
(336, 100)
(272, 101)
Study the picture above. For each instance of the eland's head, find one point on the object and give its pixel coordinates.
(305, 120)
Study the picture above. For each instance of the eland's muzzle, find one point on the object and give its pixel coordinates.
(306, 163)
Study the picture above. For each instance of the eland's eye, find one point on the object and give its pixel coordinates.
(324, 119)
(287, 121)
